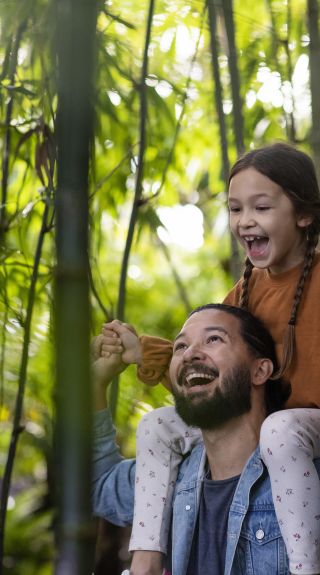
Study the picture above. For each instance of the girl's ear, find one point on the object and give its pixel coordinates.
(304, 221)
(261, 370)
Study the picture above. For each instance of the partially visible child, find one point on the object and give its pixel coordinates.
(274, 205)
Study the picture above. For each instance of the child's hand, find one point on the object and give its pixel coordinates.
(127, 338)
(146, 563)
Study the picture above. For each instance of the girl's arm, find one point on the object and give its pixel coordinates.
(155, 359)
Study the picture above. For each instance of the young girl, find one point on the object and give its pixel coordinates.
(274, 205)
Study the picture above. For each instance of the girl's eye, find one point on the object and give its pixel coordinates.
(214, 338)
(234, 210)
(262, 208)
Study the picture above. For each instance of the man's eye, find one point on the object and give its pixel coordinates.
(179, 346)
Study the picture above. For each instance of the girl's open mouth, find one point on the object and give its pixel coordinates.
(256, 245)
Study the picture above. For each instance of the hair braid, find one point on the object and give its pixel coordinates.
(289, 337)
(295, 173)
(244, 297)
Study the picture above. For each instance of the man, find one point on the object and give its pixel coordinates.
(223, 519)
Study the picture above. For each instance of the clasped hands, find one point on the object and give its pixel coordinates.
(112, 351)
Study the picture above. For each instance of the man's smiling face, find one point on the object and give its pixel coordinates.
(210, 369)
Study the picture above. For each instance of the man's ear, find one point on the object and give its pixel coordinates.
(261, 370)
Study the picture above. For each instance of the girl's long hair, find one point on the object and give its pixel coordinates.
(295, 173)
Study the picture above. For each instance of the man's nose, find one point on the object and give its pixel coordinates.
(193, 353)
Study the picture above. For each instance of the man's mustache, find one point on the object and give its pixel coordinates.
(196, 367)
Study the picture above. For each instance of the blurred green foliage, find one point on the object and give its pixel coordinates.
(182, 168)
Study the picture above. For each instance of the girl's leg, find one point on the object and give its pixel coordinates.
(162, 439)
(289, 441)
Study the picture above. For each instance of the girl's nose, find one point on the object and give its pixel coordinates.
(246, 219)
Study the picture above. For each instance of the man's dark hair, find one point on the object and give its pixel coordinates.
(260, 344)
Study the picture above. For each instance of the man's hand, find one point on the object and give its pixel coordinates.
(105, 366)
(128, 338)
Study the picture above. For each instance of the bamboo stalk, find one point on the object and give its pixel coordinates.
(17, 425)
(137, 194)
(12, 65)
(3, 340)
(140, 167)
(313, 20)
(218, 92)
(76, 24)
(276, 42)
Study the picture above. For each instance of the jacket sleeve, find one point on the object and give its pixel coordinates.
(156, 357)
(112, 476)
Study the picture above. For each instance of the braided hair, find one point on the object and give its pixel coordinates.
(244, 297)
(295, 173)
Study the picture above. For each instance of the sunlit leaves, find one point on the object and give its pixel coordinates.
(182, 166)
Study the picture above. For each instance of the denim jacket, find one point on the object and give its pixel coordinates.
(254, 542)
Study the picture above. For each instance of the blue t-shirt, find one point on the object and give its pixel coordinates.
(208, 551)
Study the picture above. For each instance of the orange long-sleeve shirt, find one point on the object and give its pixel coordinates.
(270, 299)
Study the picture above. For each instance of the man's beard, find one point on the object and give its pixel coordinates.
(231, 399)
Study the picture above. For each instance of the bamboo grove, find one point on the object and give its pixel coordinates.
(119, 124)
